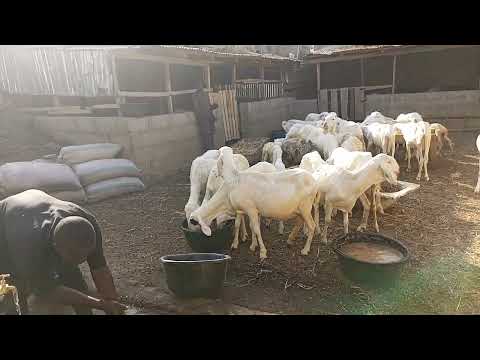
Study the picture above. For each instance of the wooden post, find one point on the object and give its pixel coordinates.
(262, 83)
(394, 73)
(362, 73)
(207, 77)
(56, 101)
(318, 87)
(234, 73)
(168, 87)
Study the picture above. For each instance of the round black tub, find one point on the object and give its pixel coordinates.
(370, 272)
(218, 242)
(196, 274)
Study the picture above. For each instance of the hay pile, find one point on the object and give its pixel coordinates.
(250, 148)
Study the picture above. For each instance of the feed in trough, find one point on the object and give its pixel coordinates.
(372, 252)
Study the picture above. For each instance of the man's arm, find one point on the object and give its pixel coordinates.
(103, 280)
(67, 296)
(101, 275)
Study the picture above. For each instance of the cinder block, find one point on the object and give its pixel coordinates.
(105, 124)
(85, 124)
(136, 125)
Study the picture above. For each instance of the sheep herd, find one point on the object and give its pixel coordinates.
(323, 160)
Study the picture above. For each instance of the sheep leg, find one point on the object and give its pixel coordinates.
(369, 145)
(384, 145)
(450, 142)
(374, 201)
(366, 211)
(244, 229)
(477, 188)
(255, 226)
(427, 142)
(420, 161)
(306, 215)
(378, 199)
(409, 155)
(328, 219)
(296, 229)
(393, 144)
(281, 227)
(268, 222)
(254, 243)
(238, 220)
(345, 222)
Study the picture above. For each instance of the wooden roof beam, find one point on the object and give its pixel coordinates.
(386, 52)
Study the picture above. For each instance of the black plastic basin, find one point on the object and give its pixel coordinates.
(218, 242)
(278, 134)
(370, 273)
(196, 274)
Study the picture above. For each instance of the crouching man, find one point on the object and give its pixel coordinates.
(43, 240)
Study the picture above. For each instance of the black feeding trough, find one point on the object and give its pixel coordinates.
(371, 259)
(196, 274)
(218, 242)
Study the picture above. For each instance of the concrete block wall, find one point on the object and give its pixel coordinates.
(299, 109)
(455, 109)
(260, 118)
(160, 145)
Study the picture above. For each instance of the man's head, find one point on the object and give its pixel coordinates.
(74, 239)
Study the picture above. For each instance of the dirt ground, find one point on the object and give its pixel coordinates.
(439, 223)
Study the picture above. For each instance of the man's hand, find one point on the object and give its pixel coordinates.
(112, 307)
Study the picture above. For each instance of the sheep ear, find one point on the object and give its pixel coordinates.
(220, 166)
(205, 228)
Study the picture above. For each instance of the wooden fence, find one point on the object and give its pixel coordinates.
(258, 90)
(228, 107)
(348, 103)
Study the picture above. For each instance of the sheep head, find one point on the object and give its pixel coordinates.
(190, 207)
(389, 167)
(196, 221)
(331, 122)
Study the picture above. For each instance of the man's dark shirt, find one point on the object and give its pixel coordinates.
(27, 222)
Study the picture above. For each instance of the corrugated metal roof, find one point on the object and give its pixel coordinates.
(352, 49)
(225, 52)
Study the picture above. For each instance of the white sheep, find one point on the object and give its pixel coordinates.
(272, 152)
(325, 143)
(353, 160)
(287, 124)
(381, 135)
(477, 188)
(335, 125)
(350, 143)
(311, 162)
(442, 135)
(215, 181)
(377, 117)
(316, 117)
(339, 188)
(199, 172)
(418, 135)
(263, 167)
(279, 195)
(413, 117)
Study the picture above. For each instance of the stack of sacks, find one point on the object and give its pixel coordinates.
(77, 154)
(58, 180)
(100, 173)
(107, 178)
